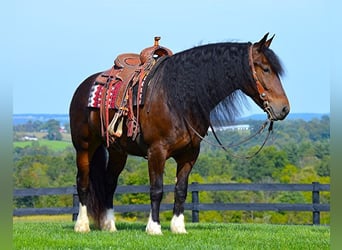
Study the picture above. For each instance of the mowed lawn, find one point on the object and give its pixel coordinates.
(32, 234)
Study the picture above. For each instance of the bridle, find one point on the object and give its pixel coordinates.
(260, 87)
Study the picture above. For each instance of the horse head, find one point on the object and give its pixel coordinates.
(267, 92)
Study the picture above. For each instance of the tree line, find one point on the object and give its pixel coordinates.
(52, 128)
(297, 152)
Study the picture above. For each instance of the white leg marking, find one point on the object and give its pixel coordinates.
(153, 228)
(82, 223)
(178, 225)
(108, 221)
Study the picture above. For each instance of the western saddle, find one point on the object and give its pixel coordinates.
(129, 70)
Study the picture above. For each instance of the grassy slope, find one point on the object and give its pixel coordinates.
(60, 235)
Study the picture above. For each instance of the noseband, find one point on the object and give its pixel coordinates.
(260, 87)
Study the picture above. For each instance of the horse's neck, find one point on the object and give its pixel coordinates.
(219, 70)
(198, 79)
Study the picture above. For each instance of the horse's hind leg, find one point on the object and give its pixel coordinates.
(115, 165)
(82, 161)
(84, 154)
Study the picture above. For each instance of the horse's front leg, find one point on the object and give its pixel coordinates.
(156, 162)
(181, 188)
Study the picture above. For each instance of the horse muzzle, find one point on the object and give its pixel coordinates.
(276, 113)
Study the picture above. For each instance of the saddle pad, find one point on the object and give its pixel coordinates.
(114, 94)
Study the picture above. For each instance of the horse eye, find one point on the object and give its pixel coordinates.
(266, 70)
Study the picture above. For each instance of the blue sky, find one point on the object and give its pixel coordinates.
(57, 44)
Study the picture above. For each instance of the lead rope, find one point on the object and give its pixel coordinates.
(270, 130)
(220, 145)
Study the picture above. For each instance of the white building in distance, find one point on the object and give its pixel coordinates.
(240, 127)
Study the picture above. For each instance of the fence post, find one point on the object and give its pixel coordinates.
(195, 201)
(315, 200)
(75, 205)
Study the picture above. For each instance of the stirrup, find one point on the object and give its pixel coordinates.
(115, 126)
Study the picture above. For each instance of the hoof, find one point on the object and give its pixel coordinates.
(153, 228)
(109, 226)
(82, 227)
(177, 224)
(82, 223)
(108, 222)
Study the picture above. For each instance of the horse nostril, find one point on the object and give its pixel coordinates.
(286, 109)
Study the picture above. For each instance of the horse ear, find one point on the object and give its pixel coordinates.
(262, 43)
(269, 41)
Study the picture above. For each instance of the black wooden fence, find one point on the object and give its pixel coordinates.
(315, 206)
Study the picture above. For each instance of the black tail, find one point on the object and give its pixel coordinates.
(97, 191)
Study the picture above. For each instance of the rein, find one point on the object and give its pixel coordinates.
(220, 144)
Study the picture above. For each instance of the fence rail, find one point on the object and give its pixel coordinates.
(315, 206)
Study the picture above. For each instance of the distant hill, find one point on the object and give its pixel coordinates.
(64, 118)
(24, 118)
(291, 116)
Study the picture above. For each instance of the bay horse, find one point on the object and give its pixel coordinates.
(187, 90)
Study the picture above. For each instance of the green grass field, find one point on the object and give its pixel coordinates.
(30, 234)
(53, 145)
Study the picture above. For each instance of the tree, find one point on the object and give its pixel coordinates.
(268, 163)
(53, 130)
(30, 126)
(323, 168)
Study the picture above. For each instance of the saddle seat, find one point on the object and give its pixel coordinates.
(131, 62)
